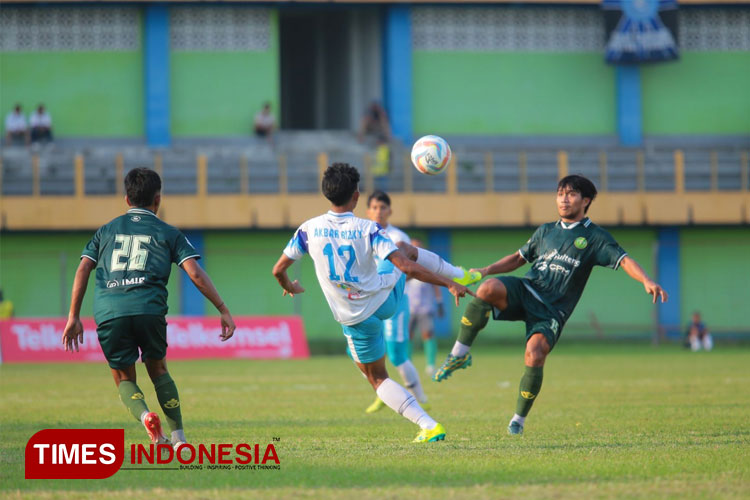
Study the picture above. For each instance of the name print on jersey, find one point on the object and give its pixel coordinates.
(344, 234)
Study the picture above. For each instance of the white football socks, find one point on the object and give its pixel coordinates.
(178, 436)
(518, 418)
(437, 265)
(411, 380)
(403, 403)
(460, 349)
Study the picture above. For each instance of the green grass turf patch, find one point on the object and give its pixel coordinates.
(611, 421)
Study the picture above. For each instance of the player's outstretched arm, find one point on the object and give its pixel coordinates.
(73, 333)
(279, 271)
(636, 272)
(416, 271)
(202, 281)
(505, 265)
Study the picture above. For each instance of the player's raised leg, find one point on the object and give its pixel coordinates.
(537, 349)
(490, 293)
(438, 265)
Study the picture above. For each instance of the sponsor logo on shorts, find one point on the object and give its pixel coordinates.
(172, 403)
(465, 321)
(555, 325)
(137, 395)
(581, 243)
(527, 395)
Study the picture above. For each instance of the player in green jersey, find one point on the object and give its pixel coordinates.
(133, 256)
(562, 255)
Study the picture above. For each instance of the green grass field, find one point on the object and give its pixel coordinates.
(626, 421)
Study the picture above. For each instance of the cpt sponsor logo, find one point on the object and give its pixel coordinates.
(74, 453)
(126, 282)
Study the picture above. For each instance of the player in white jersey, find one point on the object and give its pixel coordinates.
(345, 249)
(396, 328)
(425, 303)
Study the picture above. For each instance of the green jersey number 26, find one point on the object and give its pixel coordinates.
(132, 249)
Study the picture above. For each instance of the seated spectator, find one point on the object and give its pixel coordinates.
(16, 130)
(41, 125)
(375, 124)
(698, 335)
(264, 123)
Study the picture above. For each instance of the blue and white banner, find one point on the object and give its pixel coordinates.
(640, 30)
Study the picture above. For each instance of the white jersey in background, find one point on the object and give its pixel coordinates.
(396, 235)
(345, 250)
(422, 299)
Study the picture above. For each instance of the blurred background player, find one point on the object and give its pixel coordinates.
(346, 250)
(425, 302)
(562, 255)
(698, 335)
(133, 256)
(396, 328)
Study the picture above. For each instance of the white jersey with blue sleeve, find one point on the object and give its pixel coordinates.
(345, 250)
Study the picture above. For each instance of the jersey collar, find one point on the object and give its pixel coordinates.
(585, 222)
(142, 211)
(345, 214)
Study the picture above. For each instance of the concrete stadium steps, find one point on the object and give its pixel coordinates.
(238, 165)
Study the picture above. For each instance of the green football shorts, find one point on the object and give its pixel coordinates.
(523, 306)
(122, 339)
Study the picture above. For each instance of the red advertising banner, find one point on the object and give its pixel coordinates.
(256, 337)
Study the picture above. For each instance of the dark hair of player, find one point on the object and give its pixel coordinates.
(142, 186)
(579, 184)
(379, 196)
(340, 181)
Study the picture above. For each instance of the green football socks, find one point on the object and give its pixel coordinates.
(531, 382)
(475, 317)
(430, 350)
(166, 393)
(132, 397)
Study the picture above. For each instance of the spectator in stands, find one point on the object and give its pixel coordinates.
(6, 307)
(40, 122)
(16, 129)
(698, 335)
(264, 123)
(375, 124)
(376, 129)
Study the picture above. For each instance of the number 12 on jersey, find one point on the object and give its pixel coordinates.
(344, 249)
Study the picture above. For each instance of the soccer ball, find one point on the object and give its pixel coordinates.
(431, 154)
